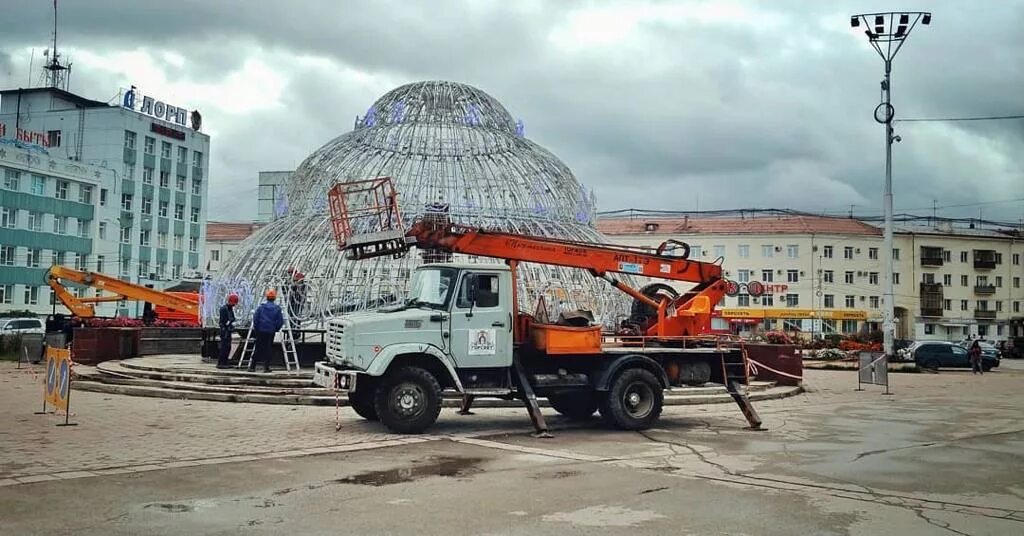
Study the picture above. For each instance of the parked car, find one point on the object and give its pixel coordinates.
(987, 348)
(935, 354)
(19, 326)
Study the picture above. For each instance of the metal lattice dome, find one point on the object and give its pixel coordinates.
(442, 143)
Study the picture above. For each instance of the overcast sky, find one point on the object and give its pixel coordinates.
(663, 105)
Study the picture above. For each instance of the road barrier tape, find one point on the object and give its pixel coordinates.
(753, 365)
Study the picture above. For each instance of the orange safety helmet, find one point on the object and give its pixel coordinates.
(233, 299)
(271, 294)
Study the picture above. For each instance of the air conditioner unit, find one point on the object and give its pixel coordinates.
(801, 272)
(857, 251)
(778, 272)
(814, 248)
(778, 248)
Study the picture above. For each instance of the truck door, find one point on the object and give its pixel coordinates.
(481, 331)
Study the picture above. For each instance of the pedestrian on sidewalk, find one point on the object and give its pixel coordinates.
(266, 321)
(974, 356)
(227, 328)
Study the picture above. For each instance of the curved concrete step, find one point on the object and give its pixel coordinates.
(194, 365)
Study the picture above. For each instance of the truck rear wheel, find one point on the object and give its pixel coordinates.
(579, 405)
(408, 400)
(361, 400)
(633, 401)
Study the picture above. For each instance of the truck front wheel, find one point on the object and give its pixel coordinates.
(578, 405)
(633, 401)
(408, 400)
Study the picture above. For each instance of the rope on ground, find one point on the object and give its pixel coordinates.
(753, 365)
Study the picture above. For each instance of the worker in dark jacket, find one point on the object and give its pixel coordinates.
(266, 321)
(227, 327)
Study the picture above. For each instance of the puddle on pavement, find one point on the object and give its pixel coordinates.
(174, 508)
(451, 467)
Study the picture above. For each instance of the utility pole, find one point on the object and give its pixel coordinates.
(886, 32)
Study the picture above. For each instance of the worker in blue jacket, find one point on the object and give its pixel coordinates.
(266, 321)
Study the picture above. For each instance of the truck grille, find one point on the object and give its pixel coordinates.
(335, 340)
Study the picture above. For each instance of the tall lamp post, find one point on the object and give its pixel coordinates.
(886, 32)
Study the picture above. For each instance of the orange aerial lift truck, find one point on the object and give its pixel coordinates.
(186, 305)
(462, 328)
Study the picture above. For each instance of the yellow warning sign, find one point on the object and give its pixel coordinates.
(57, 382)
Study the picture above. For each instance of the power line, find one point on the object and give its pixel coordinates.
(951, 119)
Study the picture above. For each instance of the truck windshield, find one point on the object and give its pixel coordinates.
(432, 286)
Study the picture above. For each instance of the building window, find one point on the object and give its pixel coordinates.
(177, 241)
(38, 185)
(792, 300)
(1016, 282)
(981, 305)
(849, 326)
(744, 251)
(83, 228)
(963, 281)
(197, 188)
(793, 251)
(103, 230)
(126, 202)
(179, 211)
(947, 304)
(963, 256)
(165, 150)
(848, 252)
(873, 300)
(147, 175)
(826, 252)
(768, 300)
(175, 271)
(31, 295)
(999, 258)
(35, 221)
(963, 305)
(129, 139)
(126, 235)
(193, 243)
(928, 278)
(129, 172)
(1016, 258)
(12, 179)
(743, 300)
(197, 159)
(767, 251)
(830, 301)
(873, 278)
(947, 280)
(767, 276)
(103, 197)
(999, 281)
(946, 255)
(179, 183)
(160, 270)
(982, 330)
(144, 269)
(1016, 306)
(85, 194)
(163, 209)
(62, 190)
(896, 278)
(850, 301)
(8, 217)
(981, 281)
(792, 276)
(147, 205)
(929, 329)
(58, 258)
(873, 253)
(165, 179)
(161, 240)
(182, 156)
(60, 225)
(81, 261)
(999, 306)
(848, 278)
(743, 276)
(144, 237)
(695, 251)
(828, 276)
(215, 255)
(150, 146)
(895, 254)
(7, 255)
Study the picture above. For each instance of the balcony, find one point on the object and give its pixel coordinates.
(985, 289)
(931, 311)
(931, 256)
(984, 259)
(984, 314)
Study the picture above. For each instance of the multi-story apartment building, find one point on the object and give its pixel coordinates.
(824, 275)
(160, 168)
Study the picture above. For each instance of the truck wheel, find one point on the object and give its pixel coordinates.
(361, 401)
(634, 400)
(408, 400)
(579, 405)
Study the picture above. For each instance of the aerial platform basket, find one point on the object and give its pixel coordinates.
(366, 219)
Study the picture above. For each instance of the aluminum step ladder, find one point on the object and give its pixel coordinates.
(288, 350)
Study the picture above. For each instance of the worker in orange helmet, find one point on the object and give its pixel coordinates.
(266, 321)
(227, 328)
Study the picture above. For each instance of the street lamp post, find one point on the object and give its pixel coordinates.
(886, 32)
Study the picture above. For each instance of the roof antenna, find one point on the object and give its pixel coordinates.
(57, 75)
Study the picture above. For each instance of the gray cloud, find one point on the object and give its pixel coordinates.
(733, 114)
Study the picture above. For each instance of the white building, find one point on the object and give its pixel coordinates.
(824, 275)
(223, 240)
(160, 169)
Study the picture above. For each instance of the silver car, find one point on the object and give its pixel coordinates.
(21, 326)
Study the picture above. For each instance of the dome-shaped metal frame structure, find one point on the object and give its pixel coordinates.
(444, 144)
